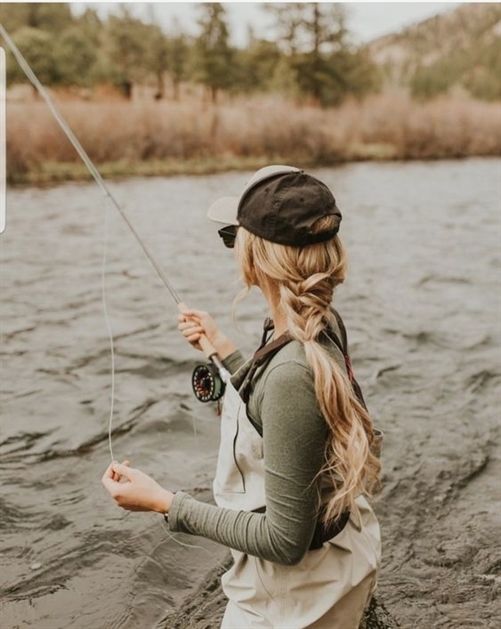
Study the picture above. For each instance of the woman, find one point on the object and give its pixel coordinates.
(298, 450)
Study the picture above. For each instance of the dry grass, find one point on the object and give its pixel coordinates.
(168, 137)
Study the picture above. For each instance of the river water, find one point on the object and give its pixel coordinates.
(422, 307)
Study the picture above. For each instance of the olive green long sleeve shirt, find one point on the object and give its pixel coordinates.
(283, 404)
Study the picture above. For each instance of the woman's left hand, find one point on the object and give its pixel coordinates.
(134, 490)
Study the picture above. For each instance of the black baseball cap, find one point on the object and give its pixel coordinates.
(279, 203)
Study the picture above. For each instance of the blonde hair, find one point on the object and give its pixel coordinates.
(304, 279)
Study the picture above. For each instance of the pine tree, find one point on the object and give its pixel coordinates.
(213, 55)
(126, 46)
(314, 39)
(178, 53)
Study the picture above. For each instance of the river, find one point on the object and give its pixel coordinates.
(422, 307)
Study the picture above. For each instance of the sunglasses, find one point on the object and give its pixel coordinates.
(228, 234)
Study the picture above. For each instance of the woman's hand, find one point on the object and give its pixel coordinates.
(134, 490)
(194, 323)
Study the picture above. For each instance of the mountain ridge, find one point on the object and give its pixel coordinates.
(460, 47)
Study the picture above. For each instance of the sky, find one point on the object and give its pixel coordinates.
(366, 20)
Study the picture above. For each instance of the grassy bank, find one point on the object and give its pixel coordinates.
(169, 138)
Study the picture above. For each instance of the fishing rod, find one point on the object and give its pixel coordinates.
(206, 384)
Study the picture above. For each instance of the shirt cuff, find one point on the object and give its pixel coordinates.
(233, 361)
(175, 510)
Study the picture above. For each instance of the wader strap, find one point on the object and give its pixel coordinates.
(342, 329)
(344, 349)
(264, 352)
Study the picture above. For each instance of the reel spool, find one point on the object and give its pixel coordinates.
(208, 379)
(207, 384)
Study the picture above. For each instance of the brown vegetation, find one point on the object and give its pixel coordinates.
(166, 137)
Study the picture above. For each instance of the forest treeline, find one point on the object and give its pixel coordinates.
(311, 57)
(309, 96)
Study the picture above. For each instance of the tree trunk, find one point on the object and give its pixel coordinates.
(176, 90)
(316, 61)
(160, 93)
(126, 89)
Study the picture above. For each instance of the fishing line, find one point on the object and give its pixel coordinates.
(193, 546)
(25, 66)
(108, 325)
(134, 537)
(96, 175)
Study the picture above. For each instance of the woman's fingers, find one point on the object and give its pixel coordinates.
(186, 322)
(191, 332)
(123, 470)
(115, 472)
(188, 327)
(193, 324)
(187, 317)
(108, 478)
(109, 471)
(194, 312)
(117, 476)
(193, 319)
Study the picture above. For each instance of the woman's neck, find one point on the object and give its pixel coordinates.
(276, 312)
(279, 320)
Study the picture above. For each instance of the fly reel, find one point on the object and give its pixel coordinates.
(207, 383)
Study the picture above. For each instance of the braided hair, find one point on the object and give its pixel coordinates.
(302, 280)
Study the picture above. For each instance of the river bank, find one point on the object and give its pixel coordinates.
(172, 138)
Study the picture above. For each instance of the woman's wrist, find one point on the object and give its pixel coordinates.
(224, 346)
(163, 501)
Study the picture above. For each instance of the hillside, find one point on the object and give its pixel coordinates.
(458, 48)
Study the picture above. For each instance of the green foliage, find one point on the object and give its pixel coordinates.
(320, 62)
(457, 49)
(256, 66)
(48, 16)
(126, 49)
(157, 56)
(15, 16)
(361, 74)
(318, 76)
(285, 78)
(213, 56)
(38, 48)
(477, 69)
(75, 55)
(51, 17)
(427, 83)
(484, 80)
(91, 26)
(177, 54)
(311, 60)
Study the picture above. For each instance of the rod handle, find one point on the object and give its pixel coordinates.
(207, 347)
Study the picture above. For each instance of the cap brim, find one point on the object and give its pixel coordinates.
(224, 210)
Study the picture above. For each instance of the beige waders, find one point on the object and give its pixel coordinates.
(329, 588)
